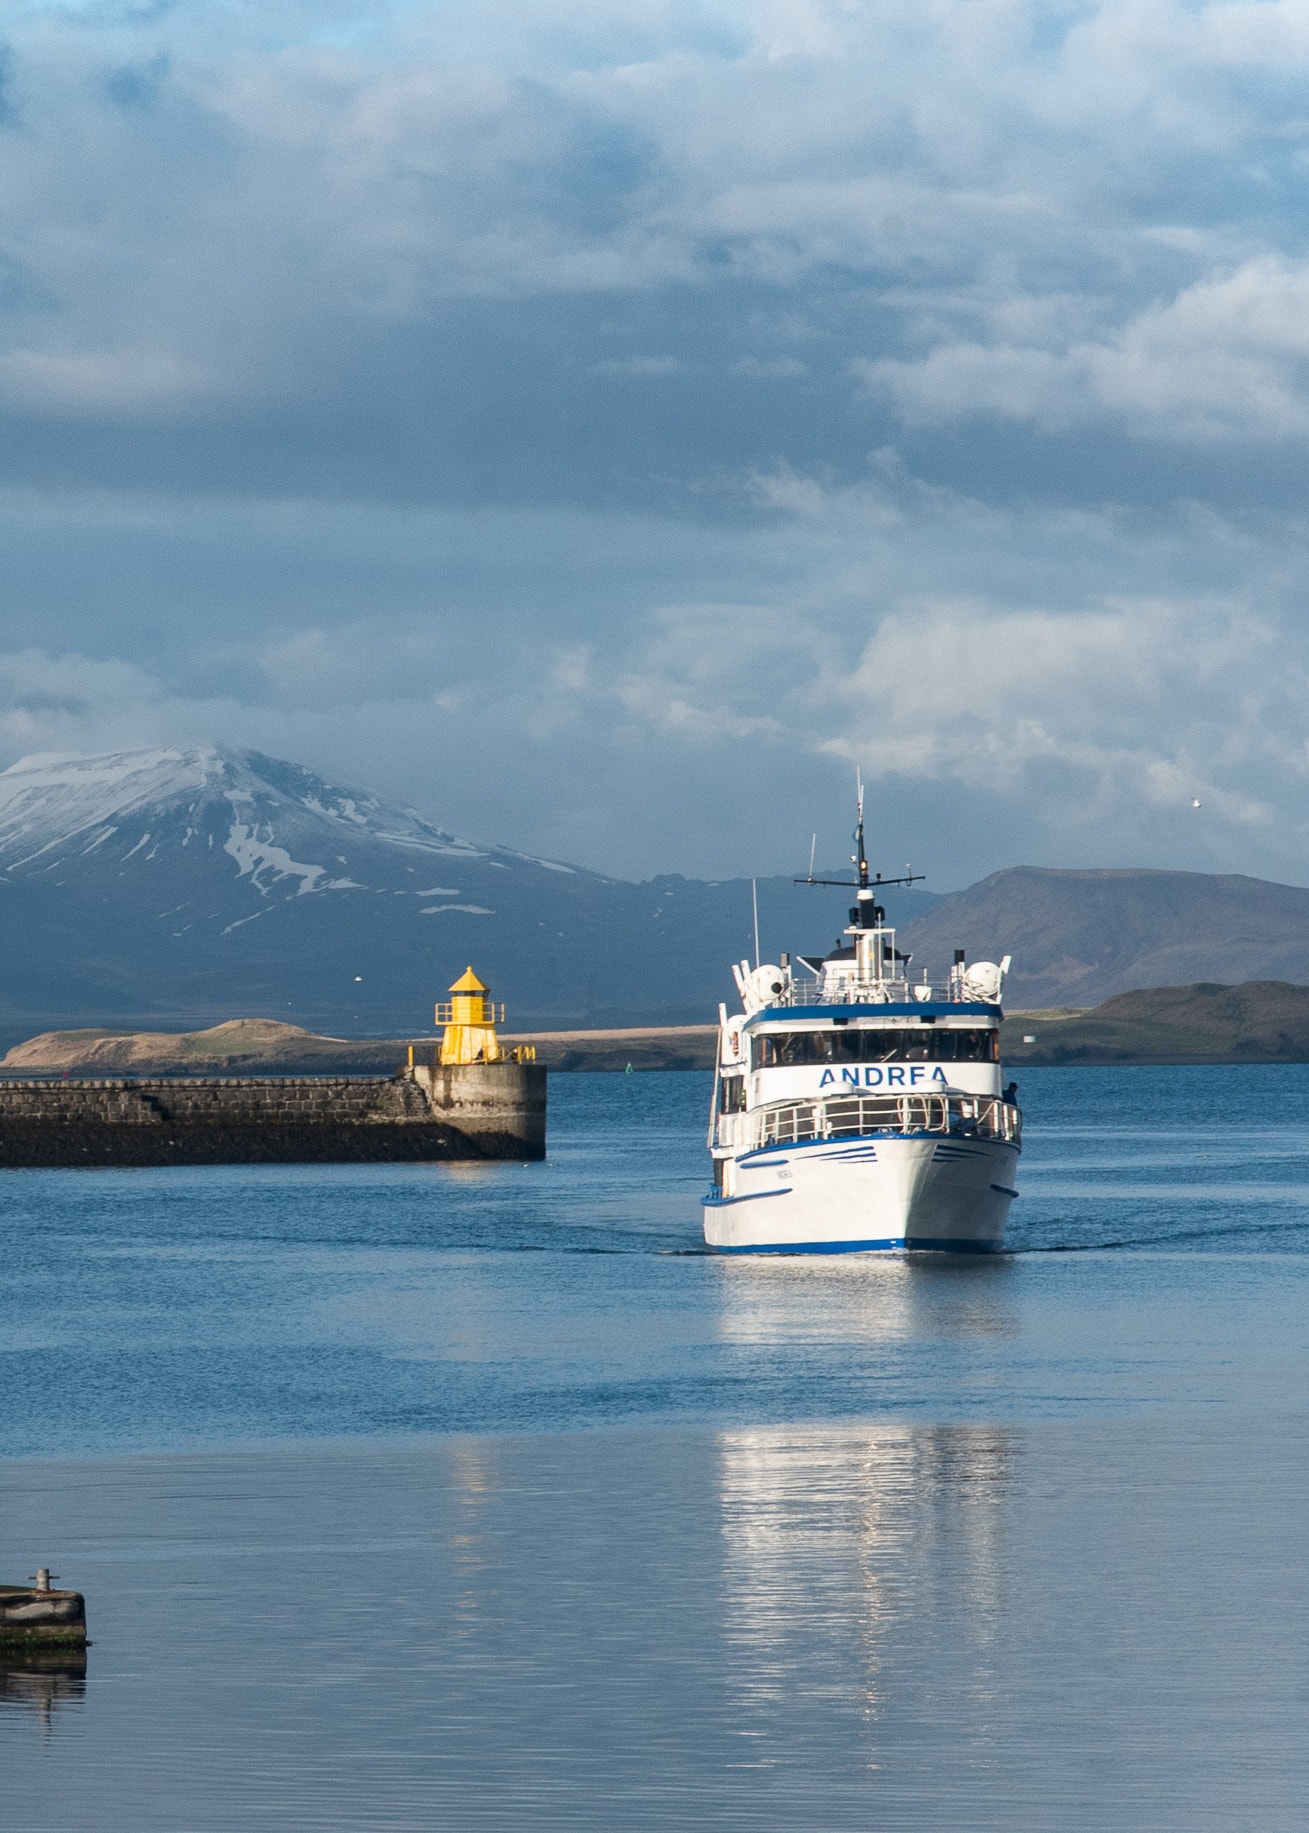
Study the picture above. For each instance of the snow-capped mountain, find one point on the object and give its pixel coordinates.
(58, 810)
(199, 883)
(211, 879)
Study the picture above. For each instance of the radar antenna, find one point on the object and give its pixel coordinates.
(858, 859)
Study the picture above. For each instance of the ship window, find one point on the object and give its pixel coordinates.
(797, 1049)
(731, 1095)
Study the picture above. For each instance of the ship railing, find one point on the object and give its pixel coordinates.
(966, 1116)
(806, 990)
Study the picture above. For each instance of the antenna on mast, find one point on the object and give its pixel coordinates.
(859, 858)
(754, 899)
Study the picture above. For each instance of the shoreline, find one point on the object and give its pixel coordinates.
(1203, 1025)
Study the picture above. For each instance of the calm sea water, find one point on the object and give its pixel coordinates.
(415, 1498)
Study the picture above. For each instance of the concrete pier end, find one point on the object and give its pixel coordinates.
(500, 1107)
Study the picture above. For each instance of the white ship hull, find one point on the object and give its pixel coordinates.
(869, 1194)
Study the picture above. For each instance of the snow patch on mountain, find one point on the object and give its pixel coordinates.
(345, 810)
(262, 860)
(435, 842)
(241, 921)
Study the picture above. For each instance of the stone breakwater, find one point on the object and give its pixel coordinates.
(464, 1111)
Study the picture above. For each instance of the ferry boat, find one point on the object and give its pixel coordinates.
(855, 1111)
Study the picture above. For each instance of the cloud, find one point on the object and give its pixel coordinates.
(1135, 701)
(1084, 724)
(98, 382)
(1227, 359)
(1052, 716)
(1039, 215)
(602, 424)
(768, 369)
(643, 366)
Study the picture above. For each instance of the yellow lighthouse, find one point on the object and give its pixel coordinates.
(470, 1018)
(488, 1099)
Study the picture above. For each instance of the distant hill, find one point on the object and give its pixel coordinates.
(261, 1046)
(1077, 937)
(173, 888)
(1264, 1021)
(241, 1046)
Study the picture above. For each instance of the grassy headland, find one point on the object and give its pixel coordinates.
(1263, 1021)
(264, 1046)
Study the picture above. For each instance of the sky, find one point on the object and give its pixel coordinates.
(606, 426)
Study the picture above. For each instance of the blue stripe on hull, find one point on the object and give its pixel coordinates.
(963, 1008)
(751, 1196)
(908, 1244)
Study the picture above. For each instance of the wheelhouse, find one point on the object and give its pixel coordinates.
(776, 1049)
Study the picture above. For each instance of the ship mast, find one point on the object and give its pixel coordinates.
(874, 942)
(860, 858)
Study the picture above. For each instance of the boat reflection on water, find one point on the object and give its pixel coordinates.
(769, 1301)
(862, 1565)
(865, 1299)
(41, 1681)
(476, 1486)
